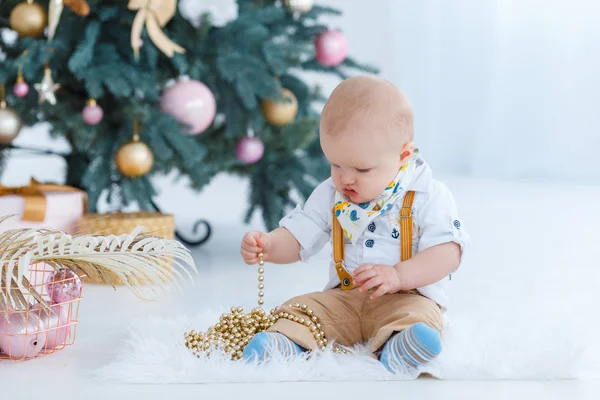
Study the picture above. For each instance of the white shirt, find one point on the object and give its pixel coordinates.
(435, 221)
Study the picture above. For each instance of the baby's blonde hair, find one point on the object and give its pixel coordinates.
(372, 97)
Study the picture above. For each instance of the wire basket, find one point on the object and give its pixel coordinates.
(37, 331)
(119, 223)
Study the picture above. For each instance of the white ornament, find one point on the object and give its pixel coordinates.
(9, 36)
(298, 6)
(222, 11)
(55, 9)
(47, 88)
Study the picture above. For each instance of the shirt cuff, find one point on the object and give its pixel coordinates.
(456, 235)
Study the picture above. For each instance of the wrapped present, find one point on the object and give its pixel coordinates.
(42, 206)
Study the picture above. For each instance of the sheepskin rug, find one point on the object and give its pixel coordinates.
(477, 345)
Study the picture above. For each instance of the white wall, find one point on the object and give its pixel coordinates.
(501, 88)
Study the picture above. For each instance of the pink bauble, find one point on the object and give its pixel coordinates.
(20, 335)
(63, 285)
(38, 274)
(191, 103)
(92, 114)
(331, 48)
(250, 150)
(55, 324)
(21, 89)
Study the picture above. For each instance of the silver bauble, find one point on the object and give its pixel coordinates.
(298, 6)
(10, 125)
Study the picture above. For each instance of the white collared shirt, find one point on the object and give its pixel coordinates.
(435, 221)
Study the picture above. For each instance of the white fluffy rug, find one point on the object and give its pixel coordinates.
(477, 345)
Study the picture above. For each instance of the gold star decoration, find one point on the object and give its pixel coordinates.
(47, 88)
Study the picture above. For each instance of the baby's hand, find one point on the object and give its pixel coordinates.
(254, 243)
(383, 277)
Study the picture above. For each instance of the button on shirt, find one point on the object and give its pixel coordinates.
(435, 221)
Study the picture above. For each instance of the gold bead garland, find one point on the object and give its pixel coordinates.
(261, 278)
(235, 329)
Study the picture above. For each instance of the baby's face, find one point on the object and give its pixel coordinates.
(366, 134)
(362, 166)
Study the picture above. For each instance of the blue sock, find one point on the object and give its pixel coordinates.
(263, 342)
(411, 348)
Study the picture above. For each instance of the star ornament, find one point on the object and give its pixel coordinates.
(47, 88)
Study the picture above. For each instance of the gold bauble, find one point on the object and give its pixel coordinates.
(29, 19)
(134, 158)
(280, 112)
(79, 7)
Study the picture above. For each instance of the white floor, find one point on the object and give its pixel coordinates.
(525, 237)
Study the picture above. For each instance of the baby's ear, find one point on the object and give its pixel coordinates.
(407, 151)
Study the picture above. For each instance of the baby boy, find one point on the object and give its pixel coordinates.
(402, 238)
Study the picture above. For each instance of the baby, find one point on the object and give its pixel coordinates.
(382, 196)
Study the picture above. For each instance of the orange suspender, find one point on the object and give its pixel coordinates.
(405, 241)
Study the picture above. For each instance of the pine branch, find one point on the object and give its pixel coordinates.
(33, 150)
(317, 11)
(3, 157)
(351, 63)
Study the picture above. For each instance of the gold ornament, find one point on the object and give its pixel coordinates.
(79, 7)
(153, 15)
(134, 158)
(28, 19)
(10, 121)
(47, 88)
(298, 6)
(280, 112)
(235, 329)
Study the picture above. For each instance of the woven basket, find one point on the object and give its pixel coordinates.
(119, 223)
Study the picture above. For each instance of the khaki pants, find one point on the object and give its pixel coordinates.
(349, 316)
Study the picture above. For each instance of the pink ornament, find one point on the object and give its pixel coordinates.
(63, 285)
(21, 334)
(54, 323)
(250, 150)
(191, 103)
(38, 274)
(331, 48)
(92, 113)
(21, 89)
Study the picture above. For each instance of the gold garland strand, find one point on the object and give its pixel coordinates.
(235, 329)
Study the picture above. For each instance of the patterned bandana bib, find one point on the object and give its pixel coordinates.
(354, 218)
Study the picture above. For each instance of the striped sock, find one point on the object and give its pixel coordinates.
(263, 343)
(411, 348)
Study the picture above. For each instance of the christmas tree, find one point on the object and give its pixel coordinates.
(138, 89)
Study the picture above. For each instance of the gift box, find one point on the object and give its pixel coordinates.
(42, 206)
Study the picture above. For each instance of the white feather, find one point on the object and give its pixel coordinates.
(135, 258)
